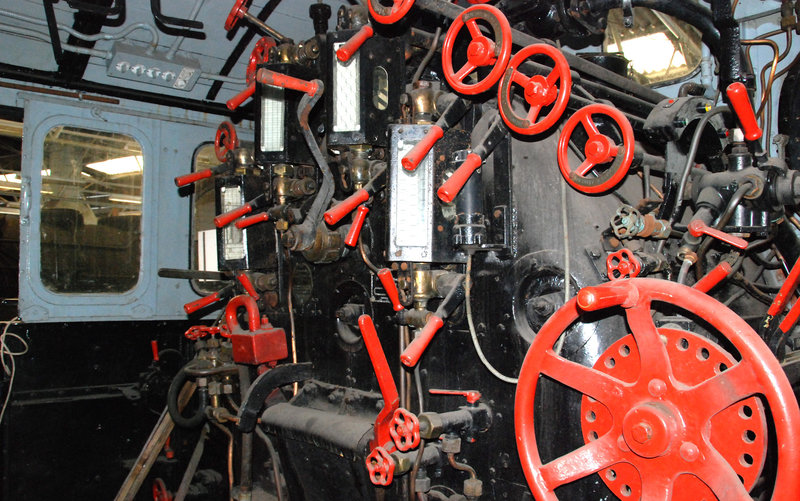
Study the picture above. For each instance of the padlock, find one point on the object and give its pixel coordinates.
(261, 343)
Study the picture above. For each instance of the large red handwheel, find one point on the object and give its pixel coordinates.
(259, 55)
(225, 141)
(539, 90)
(482, 50)
(404, 430)
(389, 15)
(237, 12)
(599, 149)
(680, 413)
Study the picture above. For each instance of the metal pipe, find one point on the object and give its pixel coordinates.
(44, 37)
(451, 458)
(191, 468)
(179, 40)
(273, 454)
(246, 477)
(267, 28)
(230, 456)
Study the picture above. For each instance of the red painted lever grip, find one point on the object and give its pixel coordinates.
(355, 228)
(269, 77)
(247, 285)
(226, 218)
(713, 277)
(786, 290)
(346, 206)
(379, 363)
(416, 348)
(418, 152)
(385, 276)
(698, 227)
(193, 177)
(251, 220)
(740, 100)
(448, 191)
(241, 97)
(619, 293)
(192, 307)
(350, 47)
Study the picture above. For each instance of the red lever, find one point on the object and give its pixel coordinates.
(391, 399)
(270, 77)
(346, 206)
(193, 177)
(192, 307)
(472, 396)
(786, 290)
(247, 285)
(385, 276)
(350, 47)
(713, 277)
(448, 191)
(740, 100)
(355, 227)
(619, 293)
(251, 220)
(226, 218)
(418, 152)
(241, 97)
(154, 347)
(416, 348)
(698, 228)
(791, 317)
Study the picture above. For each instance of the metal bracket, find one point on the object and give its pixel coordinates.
(627, 13)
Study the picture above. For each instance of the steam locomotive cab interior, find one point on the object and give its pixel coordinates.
(400, 250)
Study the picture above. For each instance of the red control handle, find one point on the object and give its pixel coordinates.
(247, 285)
(404, 430)
(251, 220)
(622, 264)
(355, 228)
(389, 15)
(713, 277)
(237, 12)
(193, 177)
(418, 152)
(241, 97)
(450, 188)
(154, 349)
(380, 467)
(416, 348)
(192, 307)
(698, 228)
(226, 218)
(259, 55)
(225, 141)
(350, 47)
(270, 77)
(740, 100)
(346, 206)
(786, 290)
(385, 276)
(472, 396)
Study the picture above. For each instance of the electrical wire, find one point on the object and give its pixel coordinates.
(10, 368)
(473, 334)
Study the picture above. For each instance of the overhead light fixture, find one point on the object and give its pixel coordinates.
(118, 166)
(125, 199)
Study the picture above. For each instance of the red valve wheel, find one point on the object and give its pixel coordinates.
(673, 413)
(380, 466)
(237, 12)
(260, 55)
(160, 492)
(622, 264)
(599, 149)
(482, 50)
(389, 15)
(404, 430)
(539, 90)
(225, 141)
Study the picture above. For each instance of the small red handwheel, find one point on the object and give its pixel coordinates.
(388, 15)
(623, 264)
(404, 430)
(482, 50)
(225, 141)
(599, 149)
(679, 413)
(380, 466)
(539, 90)
(160, 492)
(237, 12)
(260, 55)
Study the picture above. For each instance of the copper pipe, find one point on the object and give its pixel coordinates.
(291, 318)
(451, 458)
(766, 90)
(364, 256)
(230, 457)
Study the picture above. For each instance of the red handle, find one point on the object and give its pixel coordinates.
(346, 206)
(385, 276)
(270, 77)
(247, 285)
(379, 363)
(154, 348)
(355, 228)
(418, 152)
(786, 290)
(350, 47)
(232, 309)
(251, 220)
(241, 97)
(192, 307)
(698, 228)
(226, 218)
(740, 100)
(448, 191)
(192, 178)
(416, 348)
(713, 277)
(472, 396)
(237, 12)
(619, 293)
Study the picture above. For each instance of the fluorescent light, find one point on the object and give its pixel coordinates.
(9, 211)
(10, 178)
(125, 199)
(118, 166)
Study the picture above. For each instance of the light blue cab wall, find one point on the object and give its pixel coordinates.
(169, 138)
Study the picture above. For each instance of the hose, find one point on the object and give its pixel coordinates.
(172, 403)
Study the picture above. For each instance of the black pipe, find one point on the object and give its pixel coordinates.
(246, 477)
(195, 419)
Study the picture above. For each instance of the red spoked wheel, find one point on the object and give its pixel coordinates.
(404, 430)
(482, 51)
(622, 264)
(599, 149)
(225, 141)
(667, 414)
(380, 466)
(388, 15)
(539, 91)
(237, 12)
(160, 492)
(260, 55)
